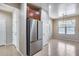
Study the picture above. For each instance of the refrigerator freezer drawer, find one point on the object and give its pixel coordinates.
(35, 47)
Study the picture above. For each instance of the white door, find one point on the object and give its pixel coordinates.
(2, 31)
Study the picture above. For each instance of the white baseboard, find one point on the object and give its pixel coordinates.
(19, 51)
(9, 44)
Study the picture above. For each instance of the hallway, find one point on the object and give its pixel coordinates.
(57, 47)
(11, 26)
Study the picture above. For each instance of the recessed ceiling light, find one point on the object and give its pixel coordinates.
(50, 6)
(31, 14)
(37, 12)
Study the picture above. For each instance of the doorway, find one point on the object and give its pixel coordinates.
(5, 28)
(2, 30)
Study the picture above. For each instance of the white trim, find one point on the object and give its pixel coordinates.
(19, 51)
(7, 8)
(15, 47)
(9, 44)
(11, 9)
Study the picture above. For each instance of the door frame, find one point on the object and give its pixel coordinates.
(7, 8)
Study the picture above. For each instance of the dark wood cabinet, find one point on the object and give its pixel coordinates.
(33, 12)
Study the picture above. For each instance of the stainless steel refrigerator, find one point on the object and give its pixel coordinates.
(34, 36)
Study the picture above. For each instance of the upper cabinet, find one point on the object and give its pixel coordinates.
(33, 12)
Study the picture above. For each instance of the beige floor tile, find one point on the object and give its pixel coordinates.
(60, 48)
(8, 51)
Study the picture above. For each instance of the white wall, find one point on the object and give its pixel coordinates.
(22, 29)
(8, 28)
(15, 29)
(47, 27)
(20, 24)
(6, 16)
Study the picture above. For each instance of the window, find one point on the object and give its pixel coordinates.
(66, 27)
(61, 27)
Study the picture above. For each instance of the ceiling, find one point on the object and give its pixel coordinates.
(63, 8)
(17, 5)
(55, 8)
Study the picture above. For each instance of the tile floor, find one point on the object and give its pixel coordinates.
(60, 48)
(53, 48)
(9, 50)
